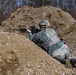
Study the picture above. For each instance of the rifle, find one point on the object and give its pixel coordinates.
(34, 29)
(23, 29)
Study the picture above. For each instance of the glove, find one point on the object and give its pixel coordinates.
(28, 30)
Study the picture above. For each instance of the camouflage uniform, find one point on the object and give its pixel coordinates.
(50, 42)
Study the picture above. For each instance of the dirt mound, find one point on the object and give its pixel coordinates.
(70, 39)
(61, 21)
(26, 16)
(19, 56)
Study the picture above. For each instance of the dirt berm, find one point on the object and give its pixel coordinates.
(20, 56)
(61, 21)
(27, 16)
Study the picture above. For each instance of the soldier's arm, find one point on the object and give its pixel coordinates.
(36, 39)
(30, 34)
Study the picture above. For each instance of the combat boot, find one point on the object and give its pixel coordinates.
(73, 61)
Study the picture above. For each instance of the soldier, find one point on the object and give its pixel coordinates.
(48, 40)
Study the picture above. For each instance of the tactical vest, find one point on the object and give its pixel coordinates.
(49, 40)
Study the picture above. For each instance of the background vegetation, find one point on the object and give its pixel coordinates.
(9, 6)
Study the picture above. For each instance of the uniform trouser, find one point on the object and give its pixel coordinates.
(62, 54)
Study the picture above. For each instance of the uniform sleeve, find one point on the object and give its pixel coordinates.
(31, 36)
(36, 39)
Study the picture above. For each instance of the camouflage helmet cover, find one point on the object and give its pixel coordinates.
(44, 23)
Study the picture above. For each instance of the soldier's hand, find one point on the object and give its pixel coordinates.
(28, 30)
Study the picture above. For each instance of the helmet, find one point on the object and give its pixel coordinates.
(44, 23)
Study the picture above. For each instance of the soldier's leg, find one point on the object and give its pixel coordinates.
(70, 57)
(59, 54)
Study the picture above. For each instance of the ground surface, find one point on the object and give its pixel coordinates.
(20, 56)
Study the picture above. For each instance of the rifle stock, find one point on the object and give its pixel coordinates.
(20, 29)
